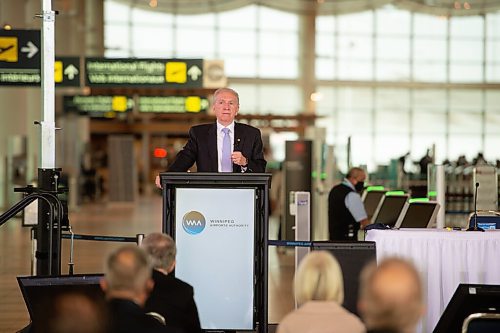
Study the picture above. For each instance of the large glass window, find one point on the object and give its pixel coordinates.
(466, 51)
(244, 38)
(493, 47)
(354, 46)
(391, 80)
(429, 48)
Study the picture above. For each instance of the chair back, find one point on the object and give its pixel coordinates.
(481, 323)
(486, 219)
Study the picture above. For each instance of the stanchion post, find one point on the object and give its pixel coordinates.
(33, 251)
(48, 240)
(140, 238)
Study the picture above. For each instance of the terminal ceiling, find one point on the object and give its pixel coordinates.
(321, 7)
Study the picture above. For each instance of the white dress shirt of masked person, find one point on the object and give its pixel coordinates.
(346, 211)
(204, 146)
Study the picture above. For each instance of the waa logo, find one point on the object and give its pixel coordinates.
(193, 222)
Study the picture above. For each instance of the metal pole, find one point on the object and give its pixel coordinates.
(441, 196)
(33, 252)
(140, 238)
(48, 232)
(48, 128)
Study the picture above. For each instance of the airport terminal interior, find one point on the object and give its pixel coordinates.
(408, 90)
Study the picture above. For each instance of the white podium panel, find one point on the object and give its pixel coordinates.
(215, 236)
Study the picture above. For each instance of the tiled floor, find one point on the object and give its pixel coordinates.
(109, 220)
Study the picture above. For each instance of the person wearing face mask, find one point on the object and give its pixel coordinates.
(346, 212)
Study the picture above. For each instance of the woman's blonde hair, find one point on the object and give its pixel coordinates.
(319, 278)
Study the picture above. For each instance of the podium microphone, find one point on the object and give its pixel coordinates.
(475, 227)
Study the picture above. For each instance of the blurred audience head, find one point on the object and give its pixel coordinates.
(161, 248)
(127, 274)
(391, 296)
(319, 278)
(74, 312)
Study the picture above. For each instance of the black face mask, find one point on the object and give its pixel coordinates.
(359, 186)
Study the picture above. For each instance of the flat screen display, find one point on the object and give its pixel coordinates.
(390, 209)
(352, 258)
(39, 291)
(215, 234)
(371, 201)
(419, 215)
(468, 299)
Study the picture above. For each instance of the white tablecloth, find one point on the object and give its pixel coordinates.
(444, 259)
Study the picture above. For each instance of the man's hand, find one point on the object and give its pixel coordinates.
(364, 223)
(157, 181)
(238, 158)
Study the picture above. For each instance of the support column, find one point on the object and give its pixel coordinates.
(94, 23)
(72, 142)
(307, 60)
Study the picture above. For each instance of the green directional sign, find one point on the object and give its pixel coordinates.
(173, 104)
(168, 73)
(99, 106)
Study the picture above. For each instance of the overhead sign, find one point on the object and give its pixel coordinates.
(168, 73)
(20, 57)
(67, 71)
(20, 61)
(173, 104)
(99, 106)
(214, 75)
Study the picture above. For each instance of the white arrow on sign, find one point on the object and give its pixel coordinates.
(30, 48)
(71, 71)
(194, 72)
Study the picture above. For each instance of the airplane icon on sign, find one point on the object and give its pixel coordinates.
(4, 49)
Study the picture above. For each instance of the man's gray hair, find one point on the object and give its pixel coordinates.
(229, 90)
(161, 248)
(127, 268)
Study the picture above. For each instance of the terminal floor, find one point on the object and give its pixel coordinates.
(108, 219)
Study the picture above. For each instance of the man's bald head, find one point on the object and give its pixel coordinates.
(356, 173)
(391, 296)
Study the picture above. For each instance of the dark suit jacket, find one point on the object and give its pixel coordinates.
(201, 149)
(174, 300)
(128, 317)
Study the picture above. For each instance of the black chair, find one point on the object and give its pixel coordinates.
(485, 219)
(481, 323)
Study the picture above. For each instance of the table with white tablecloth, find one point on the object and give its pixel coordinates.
(444, 258)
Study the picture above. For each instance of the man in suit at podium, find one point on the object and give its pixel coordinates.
(223, 146)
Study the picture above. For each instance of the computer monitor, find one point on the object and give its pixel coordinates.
(468, 299)
(352, 257)
(371, 200)
(418, 215)
(39, 291)
(389, 209)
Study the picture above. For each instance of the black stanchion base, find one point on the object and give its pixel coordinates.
(475, 229)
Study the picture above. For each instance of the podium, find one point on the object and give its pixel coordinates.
(220, 224)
